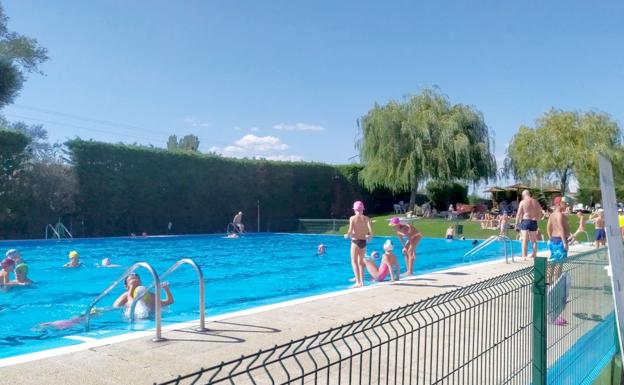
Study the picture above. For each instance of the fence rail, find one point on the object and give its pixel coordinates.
(504, 330)
(475, 334)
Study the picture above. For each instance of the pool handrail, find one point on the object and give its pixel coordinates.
(200, 277)
(491, 240)
(157, 308)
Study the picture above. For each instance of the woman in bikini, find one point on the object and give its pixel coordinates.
(409, 248)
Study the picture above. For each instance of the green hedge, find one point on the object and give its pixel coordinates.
(124, 189)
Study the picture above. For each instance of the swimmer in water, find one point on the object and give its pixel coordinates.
(74, 260)
(320, 250)
(8, 265)
(15, 255)
(106, 262)
(134, 288)
(21, 275)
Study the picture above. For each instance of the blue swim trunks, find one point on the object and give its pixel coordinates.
(601, 234)
(558, 252)
(528, 225)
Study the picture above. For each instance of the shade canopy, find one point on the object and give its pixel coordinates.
(552, 190)
(518, 186)
(495, 189)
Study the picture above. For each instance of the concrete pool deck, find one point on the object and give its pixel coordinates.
(135, 359)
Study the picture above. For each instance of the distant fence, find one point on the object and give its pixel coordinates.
(476, 335)
(321, 226)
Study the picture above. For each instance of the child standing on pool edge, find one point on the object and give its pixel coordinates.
(360, 232)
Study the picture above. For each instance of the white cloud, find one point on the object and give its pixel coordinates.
(298, 127)
(196, 123)
(255, 143)
(261, 147)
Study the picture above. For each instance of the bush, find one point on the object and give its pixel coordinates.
(124, 189)
(442, 194)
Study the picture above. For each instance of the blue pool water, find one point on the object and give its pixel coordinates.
(239, 273)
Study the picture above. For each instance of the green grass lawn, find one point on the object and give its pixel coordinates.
(436, 228)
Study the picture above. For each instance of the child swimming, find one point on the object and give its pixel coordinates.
(8, 265)
(74, 260)
(106, 262)
(21, 275)
(15, 255)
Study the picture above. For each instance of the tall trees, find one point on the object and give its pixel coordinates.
(19, 55)
(564, 144)
(403, 144)
(187, 143)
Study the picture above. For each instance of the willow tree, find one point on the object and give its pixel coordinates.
(424, 137)
(564, 144)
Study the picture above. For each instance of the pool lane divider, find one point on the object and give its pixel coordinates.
(94, 342)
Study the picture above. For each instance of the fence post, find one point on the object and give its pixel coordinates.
(540, 365)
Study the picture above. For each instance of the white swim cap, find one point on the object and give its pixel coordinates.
(388, 245)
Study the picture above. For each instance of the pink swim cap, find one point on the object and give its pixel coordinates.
(358, 206)
(7, 263)
(394, 221)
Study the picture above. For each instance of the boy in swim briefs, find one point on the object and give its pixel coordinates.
(409, 247)
(360, 231)
(529, 212)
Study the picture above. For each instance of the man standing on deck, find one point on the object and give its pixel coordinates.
(529, 211)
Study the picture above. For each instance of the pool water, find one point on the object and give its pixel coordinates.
(257, 269)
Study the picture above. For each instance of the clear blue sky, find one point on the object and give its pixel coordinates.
(301, 73)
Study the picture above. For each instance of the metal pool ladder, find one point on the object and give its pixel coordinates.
(489, 241)
(200, 278)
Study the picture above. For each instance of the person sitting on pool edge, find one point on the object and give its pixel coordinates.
(21, 275)
(74, 260)
(134, 287)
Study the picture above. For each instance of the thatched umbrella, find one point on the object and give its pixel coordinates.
(518, 187)
(494, 190)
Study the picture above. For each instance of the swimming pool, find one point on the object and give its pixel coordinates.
(254, 270)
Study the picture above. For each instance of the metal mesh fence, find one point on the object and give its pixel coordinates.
(581, 334)
(479, 334)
